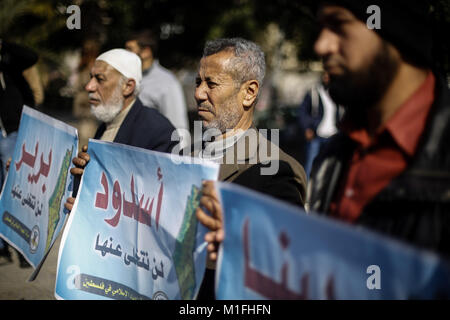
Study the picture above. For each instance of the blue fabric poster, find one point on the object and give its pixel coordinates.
(133, 233)
(275, 251)
(38, 182)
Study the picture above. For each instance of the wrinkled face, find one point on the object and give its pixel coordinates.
(219, 101)
(105, 91)
(356, 58)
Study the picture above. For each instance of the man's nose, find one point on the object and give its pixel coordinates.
(90, 86)
(326, 43)
(200, 93)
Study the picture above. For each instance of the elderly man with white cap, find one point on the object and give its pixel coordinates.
(113, 90)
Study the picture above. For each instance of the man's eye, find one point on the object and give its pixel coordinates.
(337, 25)
(211, 84)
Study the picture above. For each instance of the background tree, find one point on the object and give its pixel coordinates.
(183, 27)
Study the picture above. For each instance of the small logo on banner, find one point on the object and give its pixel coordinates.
(159, 295)
(34, 239)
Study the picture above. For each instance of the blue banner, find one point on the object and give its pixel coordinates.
(38, 183)
(133, 233)
(276, 251)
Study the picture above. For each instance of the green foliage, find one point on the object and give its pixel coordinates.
(11, 10)
(184, 26)
(32, 23)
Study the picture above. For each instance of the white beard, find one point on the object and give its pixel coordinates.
(106, 112)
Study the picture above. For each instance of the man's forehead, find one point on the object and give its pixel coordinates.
(215, 65)
(328, 10)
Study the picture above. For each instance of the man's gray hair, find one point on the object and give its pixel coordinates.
(248, 62)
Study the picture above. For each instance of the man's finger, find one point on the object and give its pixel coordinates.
(85, 156)
(215, 237)
(213, 256)
(210, 236)
(213, 207)
(76, 171)
(8, 163)
(209, 189)
(212, 247)
(220, 235)
(68, 206)
(79, 162)
(205, 219)
(69, 203)
(209, 204)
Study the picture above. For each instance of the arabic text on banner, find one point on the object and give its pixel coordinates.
(275, 251)
(133, 233)
(38, 182)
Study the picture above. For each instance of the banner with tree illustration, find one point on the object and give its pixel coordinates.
(38, 183)
(133, 233)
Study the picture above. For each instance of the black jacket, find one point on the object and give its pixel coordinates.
(415, 206)
(143, 127)
(16, 93)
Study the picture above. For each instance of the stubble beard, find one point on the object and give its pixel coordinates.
(226, 119)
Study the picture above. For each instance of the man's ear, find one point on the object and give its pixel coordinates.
(129, 87)
(251, 89)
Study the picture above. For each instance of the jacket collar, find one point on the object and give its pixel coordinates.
(237, 159)
(250, 149)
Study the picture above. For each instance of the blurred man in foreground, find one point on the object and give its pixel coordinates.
(389, 167)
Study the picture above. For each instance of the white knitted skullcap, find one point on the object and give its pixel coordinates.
(124, 61)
